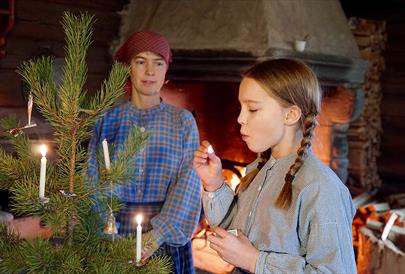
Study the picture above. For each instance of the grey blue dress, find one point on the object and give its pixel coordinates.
(313, 236)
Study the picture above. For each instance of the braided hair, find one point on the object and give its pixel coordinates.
(290, 82)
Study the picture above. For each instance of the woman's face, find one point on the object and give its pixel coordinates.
(148, 71)
(261, 117)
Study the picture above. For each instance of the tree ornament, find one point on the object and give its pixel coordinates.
(110, 227)
(29, 111)
(18, 130)
(15, 131)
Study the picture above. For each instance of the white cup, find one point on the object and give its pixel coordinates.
(299, 45)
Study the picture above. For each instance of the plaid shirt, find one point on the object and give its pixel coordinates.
(163, 170)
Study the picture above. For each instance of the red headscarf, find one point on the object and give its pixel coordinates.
(140, 42)
(144, 41)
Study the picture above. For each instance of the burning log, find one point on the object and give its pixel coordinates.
(363, 198)
(378, 234)
(376, 256)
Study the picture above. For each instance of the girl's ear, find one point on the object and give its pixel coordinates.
(293, 115)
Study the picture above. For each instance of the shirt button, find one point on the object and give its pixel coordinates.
(211, 195)
(250, 214)
(259, 188)
(142, 129)
(140, 170)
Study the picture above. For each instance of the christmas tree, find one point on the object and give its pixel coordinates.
(73, 205)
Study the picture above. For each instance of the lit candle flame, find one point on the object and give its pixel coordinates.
(43, 150)
(210, 149)
(139, 219)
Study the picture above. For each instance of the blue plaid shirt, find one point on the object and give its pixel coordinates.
(163, 170)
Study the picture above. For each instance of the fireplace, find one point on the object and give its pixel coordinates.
(214, 41)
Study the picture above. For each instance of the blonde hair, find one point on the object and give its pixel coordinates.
(290, 82)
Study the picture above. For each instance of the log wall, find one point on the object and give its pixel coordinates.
(37, 31)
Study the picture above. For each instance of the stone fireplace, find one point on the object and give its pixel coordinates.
(213, 41)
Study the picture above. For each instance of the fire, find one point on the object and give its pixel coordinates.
(234, 181)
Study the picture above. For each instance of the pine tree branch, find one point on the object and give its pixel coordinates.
(72, 161)
(110, 91)
(78, 31)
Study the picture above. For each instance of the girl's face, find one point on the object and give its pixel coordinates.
(262, 118)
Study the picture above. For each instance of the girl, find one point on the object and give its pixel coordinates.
(292, 213)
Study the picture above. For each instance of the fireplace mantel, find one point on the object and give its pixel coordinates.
(227, 66)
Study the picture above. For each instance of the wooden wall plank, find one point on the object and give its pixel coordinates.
(391, 167)
(95, 4)
(10, 89)
(391, 123)
(393, 105)
(33, 20)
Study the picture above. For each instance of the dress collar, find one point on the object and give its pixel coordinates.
(148, 111)
(288, 159)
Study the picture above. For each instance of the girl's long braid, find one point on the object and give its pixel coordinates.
(285, 196)
(245, 181)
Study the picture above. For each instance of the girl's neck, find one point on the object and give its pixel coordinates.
(290, 144)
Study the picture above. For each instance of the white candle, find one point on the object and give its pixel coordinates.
(42, 173)
(106, 155)
(138, 238)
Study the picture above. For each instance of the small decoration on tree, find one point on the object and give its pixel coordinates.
(15, 131)
(18, 130)
(110, 227)
(67, 194)
(29, 111)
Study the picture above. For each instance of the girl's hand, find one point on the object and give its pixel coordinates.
(236, 250)
(208, 166)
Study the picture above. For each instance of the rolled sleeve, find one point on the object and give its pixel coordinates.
(216, 204)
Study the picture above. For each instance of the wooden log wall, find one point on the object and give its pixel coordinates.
(391, 163)
(365, 133)
(38, 31)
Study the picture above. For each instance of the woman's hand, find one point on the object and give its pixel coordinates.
(149, 247)
(236, 250)
(208, 166)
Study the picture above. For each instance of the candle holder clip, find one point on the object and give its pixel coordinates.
(137, 264)
(43, 200)
(29, 125)
(68, 194)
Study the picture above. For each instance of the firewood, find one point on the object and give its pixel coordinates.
(365, 133)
